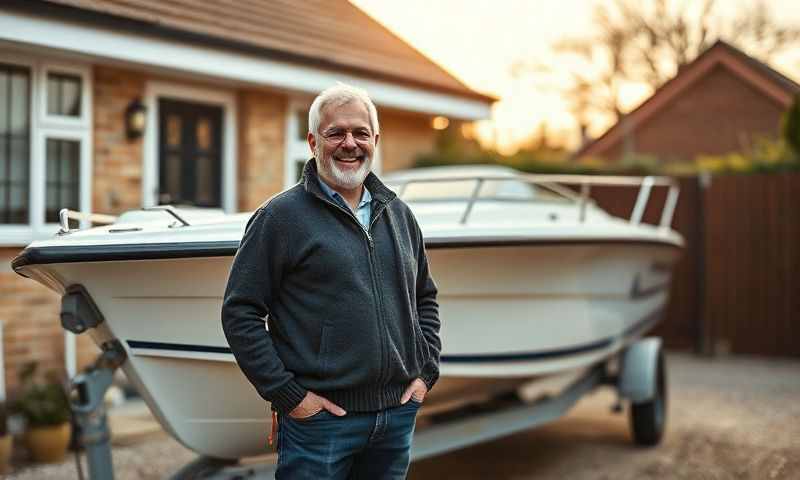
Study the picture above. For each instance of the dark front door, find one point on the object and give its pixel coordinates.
(190, 154)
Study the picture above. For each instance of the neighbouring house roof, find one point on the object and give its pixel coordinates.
(771, 83)
(326, 33)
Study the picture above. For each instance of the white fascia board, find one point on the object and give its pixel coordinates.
(150, 51)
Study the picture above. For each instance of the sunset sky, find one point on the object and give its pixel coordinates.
(479, 40)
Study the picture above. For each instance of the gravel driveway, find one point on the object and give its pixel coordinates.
(729, 418)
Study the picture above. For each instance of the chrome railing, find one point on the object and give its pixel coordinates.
(65, 215)
(554, 183)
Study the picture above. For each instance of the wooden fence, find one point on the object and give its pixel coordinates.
(737, 287)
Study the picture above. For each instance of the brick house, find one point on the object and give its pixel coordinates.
(226, 89)
(719, 103)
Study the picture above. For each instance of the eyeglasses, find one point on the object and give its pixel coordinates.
(338, 135)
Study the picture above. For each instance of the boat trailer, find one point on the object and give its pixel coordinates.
(639, 379)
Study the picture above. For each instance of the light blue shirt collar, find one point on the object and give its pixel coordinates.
(364, 208)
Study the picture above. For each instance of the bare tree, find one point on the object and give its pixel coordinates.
(634, 43)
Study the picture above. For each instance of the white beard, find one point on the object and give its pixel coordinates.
(346, 180)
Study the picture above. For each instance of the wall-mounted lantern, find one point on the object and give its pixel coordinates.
(440, 123)
(135, 119)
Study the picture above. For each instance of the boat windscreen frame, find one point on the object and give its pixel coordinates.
(554, 183)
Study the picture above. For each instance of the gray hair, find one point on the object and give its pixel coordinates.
(338, 95)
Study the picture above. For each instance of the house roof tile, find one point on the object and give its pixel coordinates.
(329, 33)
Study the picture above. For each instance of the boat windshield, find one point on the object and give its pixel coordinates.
(463, 189)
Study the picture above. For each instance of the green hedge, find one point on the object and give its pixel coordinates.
(765, 156)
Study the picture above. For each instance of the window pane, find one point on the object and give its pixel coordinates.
(19, 104)
(17, 205)
(204, 185)
(302, 124)
(62, 177)
(174, 131)
(5, 163)
(203, 133)
(63, 94)
(69, 169)
(174, 178)
(5, 78)
(71, 97)
(53, 95)
(19, 168)
(69, 196)
(52, 161)
(51, 196)
(14, 143)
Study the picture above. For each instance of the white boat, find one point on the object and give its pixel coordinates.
(534, 280)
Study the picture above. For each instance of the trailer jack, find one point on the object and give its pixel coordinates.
(87, 390)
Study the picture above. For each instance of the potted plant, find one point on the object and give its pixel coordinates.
(6, 440)
(45, 407)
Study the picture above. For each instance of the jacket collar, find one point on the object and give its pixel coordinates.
(377, 189)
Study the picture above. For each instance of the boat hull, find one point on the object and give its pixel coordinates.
(510, 313)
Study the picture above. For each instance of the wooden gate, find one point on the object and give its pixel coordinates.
(737, 287)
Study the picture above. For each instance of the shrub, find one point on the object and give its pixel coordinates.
(791, 126)
(42, 403)
(765, 155)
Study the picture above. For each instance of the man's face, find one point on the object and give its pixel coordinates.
(345, 145)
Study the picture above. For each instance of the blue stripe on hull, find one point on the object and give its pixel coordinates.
(638, 327)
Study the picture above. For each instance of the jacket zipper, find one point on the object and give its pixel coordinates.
(375, 292)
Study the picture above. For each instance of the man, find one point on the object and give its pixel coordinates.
(338, 267)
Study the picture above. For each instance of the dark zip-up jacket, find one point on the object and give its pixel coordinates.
(352, 312)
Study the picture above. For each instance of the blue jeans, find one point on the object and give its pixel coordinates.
(359, 445)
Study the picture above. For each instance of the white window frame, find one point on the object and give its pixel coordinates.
(296, 148)
(216, 97)
(84, 73)
(84, 195)
(42, 127)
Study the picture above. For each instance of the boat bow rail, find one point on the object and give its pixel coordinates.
(556, 182)
(65, 214)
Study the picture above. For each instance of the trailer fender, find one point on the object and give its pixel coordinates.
(638, 370)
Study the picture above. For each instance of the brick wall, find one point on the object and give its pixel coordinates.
(31, 330)
(262, 132)
(403, 137)
(719, 114)
(117, 161)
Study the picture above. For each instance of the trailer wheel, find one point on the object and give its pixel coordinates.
(202, 467)
(648, 419)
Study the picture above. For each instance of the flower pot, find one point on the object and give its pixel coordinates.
(6, 442)
(48, 443)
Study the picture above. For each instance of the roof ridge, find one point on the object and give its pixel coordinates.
(759, 64)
